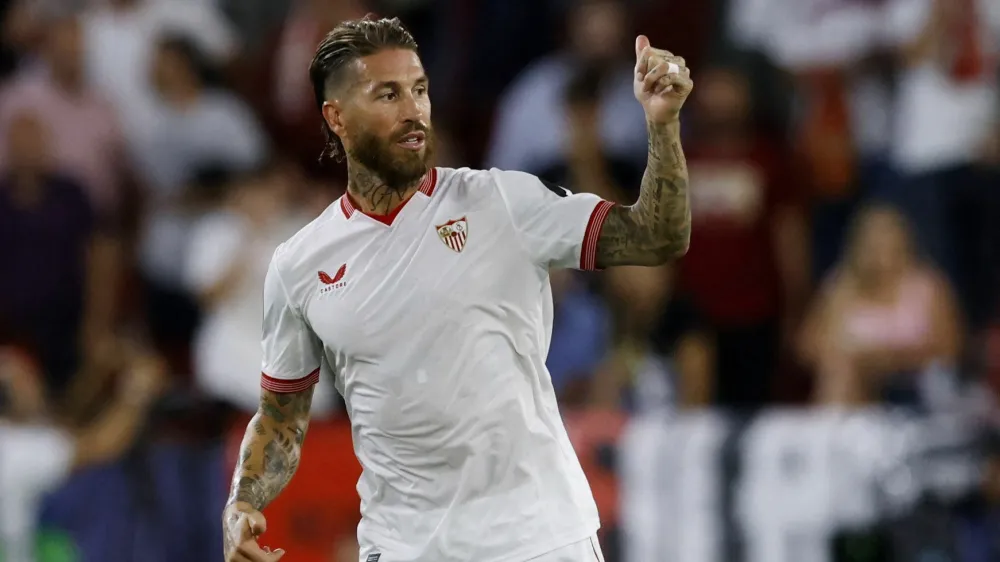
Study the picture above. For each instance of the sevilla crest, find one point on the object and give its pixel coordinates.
(454, 233)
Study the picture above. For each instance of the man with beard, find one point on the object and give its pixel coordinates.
(425, 293)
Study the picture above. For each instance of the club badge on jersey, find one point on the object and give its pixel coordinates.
(454, 233)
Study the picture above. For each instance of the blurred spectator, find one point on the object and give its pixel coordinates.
(198, 128)
(59, 289)
(121, 38)
(36, 455)
(585, 163)
(748, 268)
(21, 22)
(226, 264)
(196, 124)
(89, 146)
(580, 334)
(531, 124)
(843, 121)
(255, 20)
(660, 359)
(946, 112)
(277, 81)
(882, 320)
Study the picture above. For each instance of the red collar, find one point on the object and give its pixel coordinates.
(427, 185)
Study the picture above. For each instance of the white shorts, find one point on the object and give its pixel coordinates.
(587, 550)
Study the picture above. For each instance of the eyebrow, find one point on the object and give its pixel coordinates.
(395, 85)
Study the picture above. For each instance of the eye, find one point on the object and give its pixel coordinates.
(420, 90)
(388, 96)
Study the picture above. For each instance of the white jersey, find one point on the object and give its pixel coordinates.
(435, 324)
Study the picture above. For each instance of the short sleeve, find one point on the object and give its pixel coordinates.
(291, 351)
(557, 227)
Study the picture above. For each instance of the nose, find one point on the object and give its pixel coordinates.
(411, 109)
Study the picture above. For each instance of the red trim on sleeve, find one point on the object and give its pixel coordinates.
(281, 386)
(588, 254)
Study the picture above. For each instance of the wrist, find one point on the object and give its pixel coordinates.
(239, 506)
(669, 119)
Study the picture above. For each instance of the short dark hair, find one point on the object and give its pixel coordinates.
(346, 43)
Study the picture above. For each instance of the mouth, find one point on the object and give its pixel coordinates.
(413, 141)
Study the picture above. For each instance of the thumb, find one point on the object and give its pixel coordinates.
(257, 524)
(278, 554)
(641, 42)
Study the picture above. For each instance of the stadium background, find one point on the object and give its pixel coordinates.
(154, 152)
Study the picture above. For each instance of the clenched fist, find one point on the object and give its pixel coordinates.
(662, 81)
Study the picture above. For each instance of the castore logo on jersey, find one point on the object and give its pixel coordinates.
(335, 282)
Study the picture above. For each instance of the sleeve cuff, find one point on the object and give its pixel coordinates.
(588, 254)
(283, 386)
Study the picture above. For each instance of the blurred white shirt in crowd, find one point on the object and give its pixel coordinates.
(34, 461)
(802, 34)
(120, 46)
(220, 130)
(530, 132)
(941, 122)
(227, 347)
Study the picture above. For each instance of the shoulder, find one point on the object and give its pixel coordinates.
(508, 184)
(515, 184)
(466, 183)
(320, 234)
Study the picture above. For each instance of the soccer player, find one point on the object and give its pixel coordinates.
(424, 292)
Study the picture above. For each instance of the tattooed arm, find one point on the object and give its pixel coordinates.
(269, 457)
(657, 228)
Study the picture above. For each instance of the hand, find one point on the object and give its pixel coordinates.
(662, 93)
(241, 526)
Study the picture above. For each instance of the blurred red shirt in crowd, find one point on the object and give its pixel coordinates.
(741, 203)
(736, 193)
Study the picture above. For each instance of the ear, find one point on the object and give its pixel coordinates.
(334, 117)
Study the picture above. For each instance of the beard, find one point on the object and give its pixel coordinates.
(397, 167)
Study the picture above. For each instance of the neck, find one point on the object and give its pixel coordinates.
(371, 193)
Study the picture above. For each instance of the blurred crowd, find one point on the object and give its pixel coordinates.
(844, 158)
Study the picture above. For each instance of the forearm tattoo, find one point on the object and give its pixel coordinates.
(657, 227)
(271, 448)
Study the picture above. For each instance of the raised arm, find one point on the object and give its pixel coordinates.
(657, 228)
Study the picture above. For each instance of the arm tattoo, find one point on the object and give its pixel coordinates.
(657, 227)
(271, 448)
